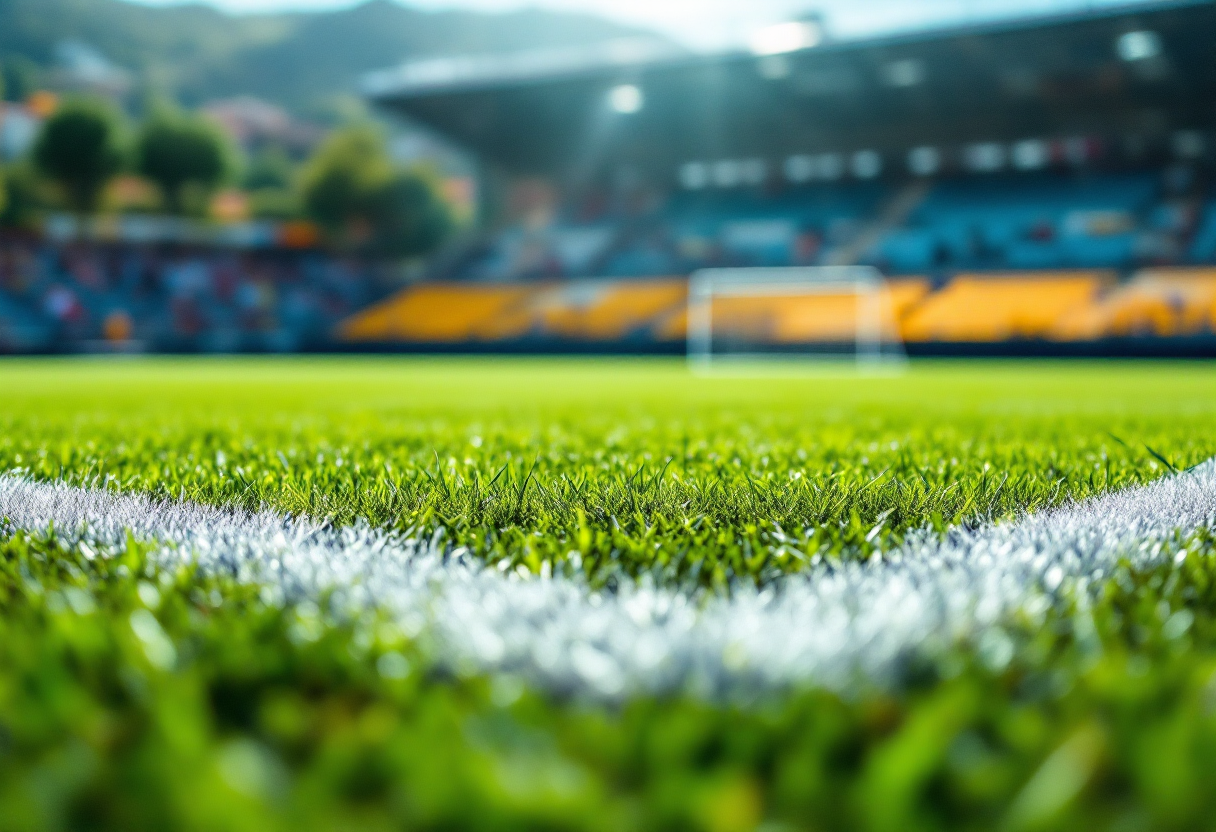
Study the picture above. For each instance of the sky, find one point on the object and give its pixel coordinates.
(710, 24)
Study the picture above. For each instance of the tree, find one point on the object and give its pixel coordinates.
(79, 150)
(179, 152)
(340, 181)
(351, 188)
(270, 167)
(409, 217)
(22, 197)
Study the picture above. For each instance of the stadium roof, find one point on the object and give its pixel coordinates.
(474, 72)
(1138, 71)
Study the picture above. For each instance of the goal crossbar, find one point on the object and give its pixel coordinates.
(865, 282)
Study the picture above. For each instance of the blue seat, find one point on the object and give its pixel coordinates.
(1109, 252)
(908, 251)
(1203, 247)
(1019, 221)
(1033, 255)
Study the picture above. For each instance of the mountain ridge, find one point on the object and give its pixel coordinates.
(197, 53)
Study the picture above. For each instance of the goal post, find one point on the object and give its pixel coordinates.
(824, 313)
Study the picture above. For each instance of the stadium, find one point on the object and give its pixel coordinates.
(813, 433)
(1029, 186)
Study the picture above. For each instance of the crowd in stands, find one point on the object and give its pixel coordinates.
(1048, 220)
(1054, 257)
(1045, 222)
(689, 231)
(1061, 257)
(107, 296)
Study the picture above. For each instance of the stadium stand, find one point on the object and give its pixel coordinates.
(1007, 177)
(1164, 303)
(830, 317)
(92, 296)
(600, 310)
(1203, 248)
(971, 308)
(529, 253)
(1039, 221)
(440, 313)
(1008, 170)
(793, 227)
(688, 231)
(989, 308)
(608, 310)
(610, 279)
(1043, 221)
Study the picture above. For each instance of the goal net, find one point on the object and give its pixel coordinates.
(816, 314)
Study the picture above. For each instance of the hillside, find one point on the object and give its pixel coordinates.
(295, 59)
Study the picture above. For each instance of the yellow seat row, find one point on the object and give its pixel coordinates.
(1161, 302)
(971, 308)
(805, 318)
(992, 308)
(454, 313)
(435, 313)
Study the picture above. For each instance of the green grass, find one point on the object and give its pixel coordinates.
(1105, 718)
(637, 466)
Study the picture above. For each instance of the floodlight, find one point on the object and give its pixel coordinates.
(1138, 46)
(924, 161)
(626, 99)
(727, 173)
(866, 164)
(1031, 154)
(786, 37)
(985, 157)
(694, 176)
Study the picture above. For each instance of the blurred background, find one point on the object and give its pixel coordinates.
(1033, 177)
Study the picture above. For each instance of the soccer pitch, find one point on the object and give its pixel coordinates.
(500, 593)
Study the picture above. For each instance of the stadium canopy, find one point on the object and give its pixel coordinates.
(1135, 77)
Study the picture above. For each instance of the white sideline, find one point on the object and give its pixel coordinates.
(832, 626)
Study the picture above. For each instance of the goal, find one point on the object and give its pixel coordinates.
(842, 314)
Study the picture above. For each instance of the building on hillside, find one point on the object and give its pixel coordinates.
(255, 123)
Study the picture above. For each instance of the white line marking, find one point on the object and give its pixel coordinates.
(832, 626)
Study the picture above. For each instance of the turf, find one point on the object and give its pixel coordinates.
(636, 466)
(272, 717)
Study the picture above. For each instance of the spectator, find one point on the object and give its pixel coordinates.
(177, 298)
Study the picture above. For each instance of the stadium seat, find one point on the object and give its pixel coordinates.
(1203, 246)
(607, 310)
(1027, 221)
(591, 310)
(1160, 302)
(439, 313)
(989, 308)
(909, 250)
(745, 229)
(800, 319)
